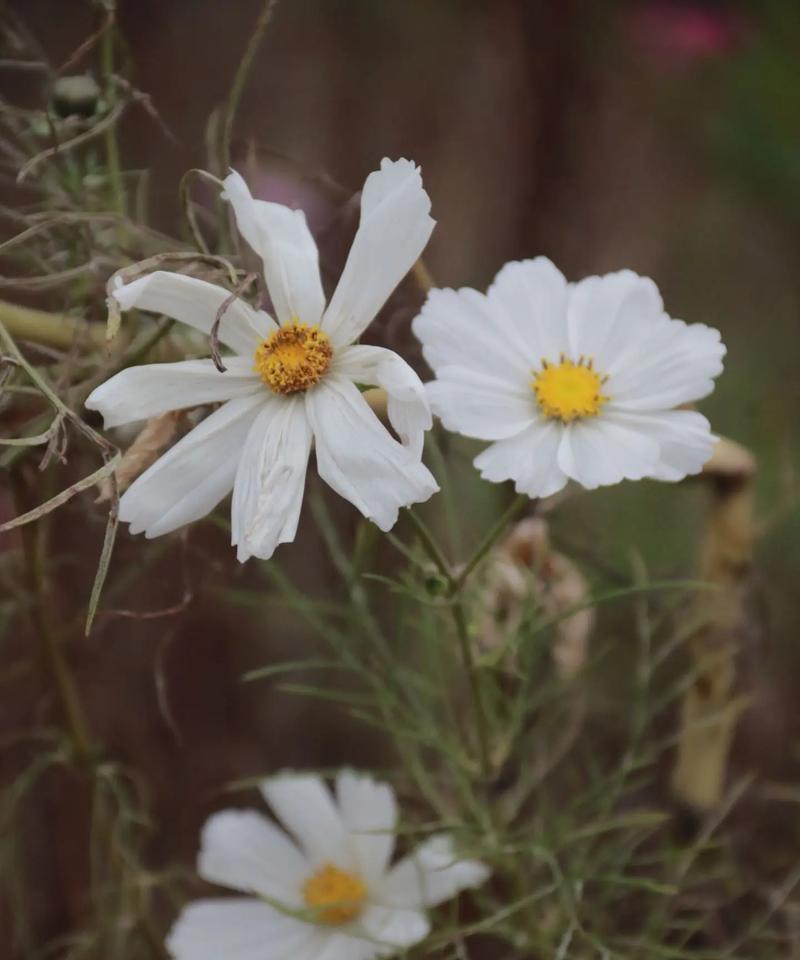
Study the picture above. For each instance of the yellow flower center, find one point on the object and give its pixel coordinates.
(335, 896)
(293, 358)
(567, 390)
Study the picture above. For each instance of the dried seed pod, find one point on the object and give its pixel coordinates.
(148, 446)
(525, 564)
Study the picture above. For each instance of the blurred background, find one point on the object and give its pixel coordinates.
(658, 136)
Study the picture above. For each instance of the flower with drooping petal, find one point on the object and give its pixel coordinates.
(326, 889)
(570, 381)
(289, 381)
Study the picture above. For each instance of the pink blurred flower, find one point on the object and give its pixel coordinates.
(682, 33)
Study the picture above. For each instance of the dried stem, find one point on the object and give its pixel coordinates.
(710, 707)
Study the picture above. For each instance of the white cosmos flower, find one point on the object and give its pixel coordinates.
(570, 381)
(287, 382)
(328, 890)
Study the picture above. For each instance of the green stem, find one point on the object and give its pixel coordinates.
(481, 721)
(491, 537)
(431, 547)
(34, 541)
(51, 329)
(455, 585)
(110, 135)
(459, 619)
(239, 81)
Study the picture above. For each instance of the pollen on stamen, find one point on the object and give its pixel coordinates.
(293, 358)
(334, 896)
(569, 391)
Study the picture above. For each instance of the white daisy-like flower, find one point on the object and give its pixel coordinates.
(570, 381)
(327, 890)
(287, 383)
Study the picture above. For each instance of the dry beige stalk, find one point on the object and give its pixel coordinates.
(525, 564)
(711, 706)
(148, 446)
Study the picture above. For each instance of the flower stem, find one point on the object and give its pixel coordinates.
(110, 135)
(491, 537)
(431, 547)
(481, 718)
(51, 329)
(455, 584)
(34, 541)
(239, 81)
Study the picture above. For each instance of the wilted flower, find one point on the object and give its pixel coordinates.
(570, 381)
(288, 382)
(326, 891)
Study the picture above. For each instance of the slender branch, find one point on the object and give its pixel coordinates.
(491, 537)
(50, 329)
(240, 80)
(34, 542)
(431, 548)
(481, 724)
(110, 134)
(455, 585)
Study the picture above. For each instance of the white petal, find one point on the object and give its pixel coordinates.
(462, 328)
(194, 475)
(338, 944)
(529, 458)
(137, 393)
(393, 928)
(684, 436)
(530, 299)
(280, 236)
(357, 456)
(270, 480)
(305, 806)
(607, 313)
(480, 405)
(392, 233)
(431, 875)
(369, 812)
(675, 364)
(240, 928)
(599, 452)
(408, 407)
(243, 850)
(196, 302)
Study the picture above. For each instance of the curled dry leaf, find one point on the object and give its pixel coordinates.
(154, 437)
(525, 564)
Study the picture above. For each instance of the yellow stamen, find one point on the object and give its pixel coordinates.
(335, 896)
(567, 390)
(293, 358)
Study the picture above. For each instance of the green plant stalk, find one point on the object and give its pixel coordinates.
(240, 80)
(491, 537)
(49, 329)
(481, 721)
(455, 584)
(34, 542)
(110, 135)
